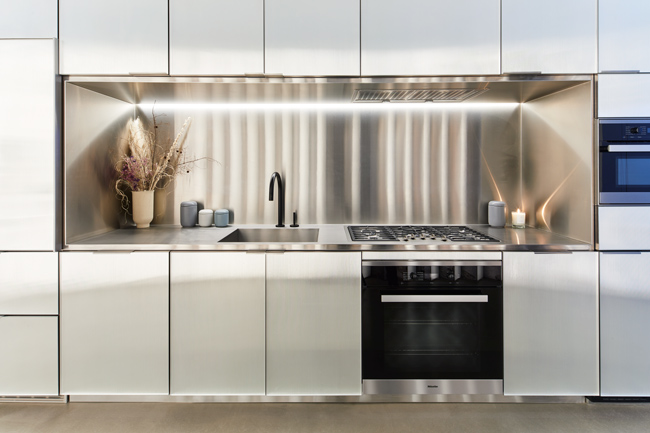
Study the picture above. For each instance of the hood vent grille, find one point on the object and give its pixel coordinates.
(423, 95)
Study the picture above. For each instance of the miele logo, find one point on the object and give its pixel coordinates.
(432, 386)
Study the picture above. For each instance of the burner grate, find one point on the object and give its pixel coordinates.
(423, 233)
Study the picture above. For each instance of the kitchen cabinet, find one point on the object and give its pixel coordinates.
(120, 37)
(624, 320)
(114, 323)
(29, 362)
(622, 34)
(550, 322)
(28, 19)
(28, 144)
(313, 342)
(312, 37)
(554, 37)
(425, 37)
(29, 283)
(217, 323)
(623, 95)
(223, 37)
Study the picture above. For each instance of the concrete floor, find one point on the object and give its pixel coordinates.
(323, 417)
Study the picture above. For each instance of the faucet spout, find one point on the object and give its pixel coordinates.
(275, 176)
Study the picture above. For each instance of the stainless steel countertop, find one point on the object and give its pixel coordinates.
(332, 237)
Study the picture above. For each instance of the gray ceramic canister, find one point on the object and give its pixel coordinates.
(221, 217)
(497, 213)
(189, 213)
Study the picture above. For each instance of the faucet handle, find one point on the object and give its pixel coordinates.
(295, 219)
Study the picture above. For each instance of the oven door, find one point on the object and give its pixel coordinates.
(625, 173)
(416, 326)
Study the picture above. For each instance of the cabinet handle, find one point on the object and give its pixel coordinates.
(434, 298)
(153, 74)
(628, 148)
(523, 73)
(621, 71)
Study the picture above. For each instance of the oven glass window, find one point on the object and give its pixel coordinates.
(423, 324)
(634, 171)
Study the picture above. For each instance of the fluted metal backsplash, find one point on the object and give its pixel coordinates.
(342, 163)
(382, 166)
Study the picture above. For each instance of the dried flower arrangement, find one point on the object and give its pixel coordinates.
(147, 164)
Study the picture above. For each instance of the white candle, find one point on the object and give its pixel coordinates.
(519, 219)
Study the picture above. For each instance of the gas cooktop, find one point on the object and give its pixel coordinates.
(418, 233)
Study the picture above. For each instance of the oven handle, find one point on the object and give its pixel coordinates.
(434, 298)
(628, 148)
(431, 263)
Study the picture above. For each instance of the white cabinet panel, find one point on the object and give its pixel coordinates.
(623, 33)
(222, 37)
(312, 37)
(29, 283)
(313, 343)
(28, 141)
(114, 323)
(430, 37)
(556, 36)
(29, 364)
(118, 37)
(217, 323)
(550, 323)
(33, 19)
(624, 323)
(623, 95)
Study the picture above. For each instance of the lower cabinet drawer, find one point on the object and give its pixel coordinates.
(29, 364)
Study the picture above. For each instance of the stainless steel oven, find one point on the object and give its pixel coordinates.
(624, 153)
(432, 327)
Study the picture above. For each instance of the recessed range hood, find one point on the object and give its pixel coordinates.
(224, 90)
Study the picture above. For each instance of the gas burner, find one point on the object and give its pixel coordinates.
(418, 233)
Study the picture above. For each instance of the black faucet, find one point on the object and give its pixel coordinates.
(274, 176)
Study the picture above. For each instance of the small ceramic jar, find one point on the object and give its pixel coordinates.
(189, 213)
(497, 214)
(205, 217)
(221, 217)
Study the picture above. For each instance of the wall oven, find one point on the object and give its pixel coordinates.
(432, 327)
(624, 153)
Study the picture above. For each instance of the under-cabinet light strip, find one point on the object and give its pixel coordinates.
(347, 107)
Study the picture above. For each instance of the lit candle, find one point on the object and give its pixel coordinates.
(518, 219)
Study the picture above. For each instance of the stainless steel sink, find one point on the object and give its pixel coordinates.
(272, 235)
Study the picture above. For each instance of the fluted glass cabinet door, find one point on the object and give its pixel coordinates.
(117, 37)
(114, 323)
(430, 37)
(312, 37)
(217, 323)
(313, 324)
(216, 37)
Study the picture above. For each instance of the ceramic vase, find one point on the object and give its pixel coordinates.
(142, 208)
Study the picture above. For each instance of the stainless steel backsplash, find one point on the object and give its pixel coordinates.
(419, 163)
(398, 166)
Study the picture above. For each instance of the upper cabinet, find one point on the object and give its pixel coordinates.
(554, 37)
(28, 19)
(623, 32)
(222, 37)
(120, 37)
(28, 143)
(312, 37)
(430, 37)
